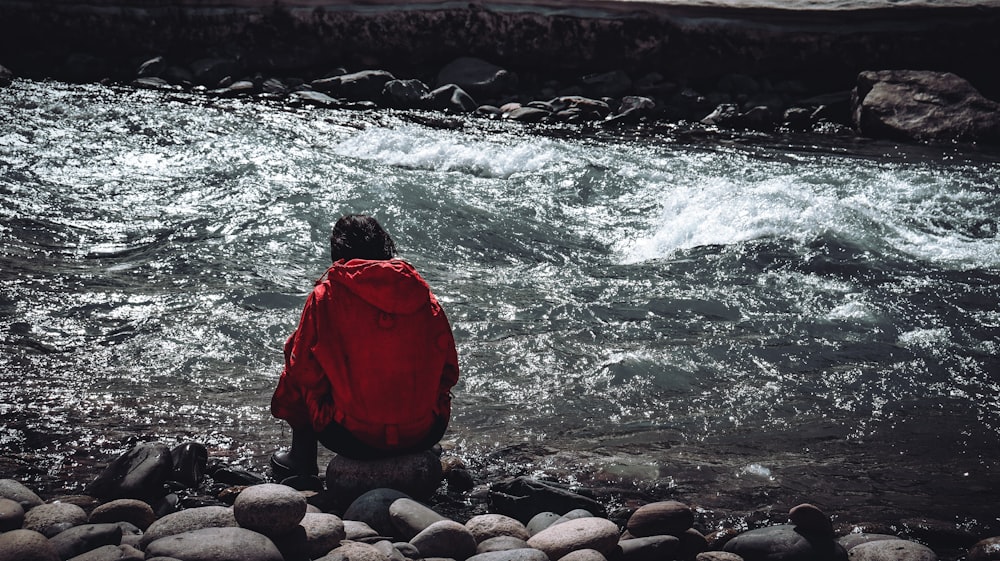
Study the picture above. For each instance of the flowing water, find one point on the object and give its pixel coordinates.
(741, 322)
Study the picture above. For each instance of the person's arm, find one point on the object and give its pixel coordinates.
(303, 396)
(449, 374)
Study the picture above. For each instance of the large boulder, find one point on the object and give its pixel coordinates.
(922, 105)
(784, 542)
(139, 473)
(418, 475)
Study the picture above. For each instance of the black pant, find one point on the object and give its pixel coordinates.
(338, 439)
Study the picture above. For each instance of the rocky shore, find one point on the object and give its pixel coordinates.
(156, 502)
(906, 74)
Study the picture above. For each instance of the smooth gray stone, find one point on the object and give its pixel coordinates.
(15, 491)
(522, 554)
(418, 475)
(187, 520)
(52, 518)
(216, 544)
(485, 526)
(660, 518)
(582, 533)
(372, 508)
(850, 541)
(650, 548)
(11, 515)
(83, 538)
(354, 551)
(891, 550)
(501, 543)
(784, 543)
(269, 508)
(133, 511)
(111, 553)
(26, 545)
(445, 538)
(541, 521)
(409, 518)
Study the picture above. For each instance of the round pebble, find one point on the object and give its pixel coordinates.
(11, 515)
(187, 520)
(354, 551)
(52, 518)
(15, 491)
(501, 543)
(354, 530)
(486, 526)
(409, 518)
(324, 532)
(26, 545)
(541, 521)
(783, 543)
(216, 543)
(132, 511)
(811, 519)
(891, 550)
(985, 550)
(660, 518)
(523, 554)
(584, 555)
(269, 508)
(445, 538)
(649, 548)
(857, 538)
(556, 541)
(717, 556)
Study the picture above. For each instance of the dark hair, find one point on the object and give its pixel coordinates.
(359, 236)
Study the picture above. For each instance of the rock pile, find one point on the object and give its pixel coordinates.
(530, 521)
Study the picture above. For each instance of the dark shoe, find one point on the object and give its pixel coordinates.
(284, 466)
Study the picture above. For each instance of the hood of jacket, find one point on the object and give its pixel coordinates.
(392, 286)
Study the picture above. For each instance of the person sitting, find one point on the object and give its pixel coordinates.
(369, 370)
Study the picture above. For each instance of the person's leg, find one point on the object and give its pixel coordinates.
(341, 441)
(300, 459)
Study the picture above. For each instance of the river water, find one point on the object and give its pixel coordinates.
(740, 322)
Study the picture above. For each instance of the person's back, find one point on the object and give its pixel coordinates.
(368, 371)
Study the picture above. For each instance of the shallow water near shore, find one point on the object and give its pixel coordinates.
(740, 322)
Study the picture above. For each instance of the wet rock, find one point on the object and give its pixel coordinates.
(724, 115)
(153, 83)
(323, 533)
(15, 491)
(409, 518)
(210, 72)
(528, 115)
(501, 543)
(188, 520)
(486, 526)
(595, 533)
(133, 511)
(354, 551)
(478, 77)
(81, 539)
(784, 543)
(366, 85)
(51, 519)
(404, 94)
(269, 508)
(650, 548)
(154, 67)
(111, 553)
(985, 550)
(810, 519)
(189, 460)
(633, 109)
(313, 98)
(891, 550)
(857, 538)
(274, 86)
(451, 98)
(660, 518)
(418, 475)
(211, 544)
(523, 554)
(139, 473)
(541, 521)
(445, 538)
(236, 476)
(492, 112)
(524, 497)
(758, 118)
(11, 515)
(922, 105)
(582, 104)
(938, 532)
(372, 508)
(26, 545)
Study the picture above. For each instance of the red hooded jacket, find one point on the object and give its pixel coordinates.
(373, 352)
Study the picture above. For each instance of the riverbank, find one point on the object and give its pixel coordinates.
(751, 68)
(144, 490)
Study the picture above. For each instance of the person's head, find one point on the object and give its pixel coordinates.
(359, 236)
